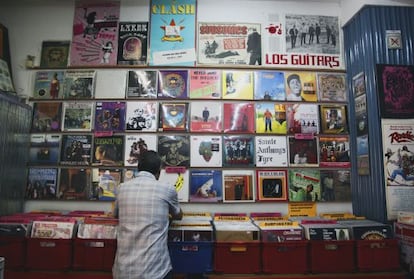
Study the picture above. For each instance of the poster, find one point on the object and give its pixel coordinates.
(396, 90)
(297, 40)
(172, 32)
(398, 157)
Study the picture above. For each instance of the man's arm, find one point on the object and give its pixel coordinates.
(176, 216)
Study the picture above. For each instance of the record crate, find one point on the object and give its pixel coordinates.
(13, 249)
(49, 254)
(278, 257)
(332, 256)
(93, 254)
(191, 257)
(378, 255)
(237, 257)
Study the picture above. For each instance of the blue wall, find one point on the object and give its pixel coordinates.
(364, 47)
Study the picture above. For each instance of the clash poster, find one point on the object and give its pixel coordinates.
(305, 41)
(229, 44)
(172, 32)
(398, 157)
(95, 33)
(396, 90)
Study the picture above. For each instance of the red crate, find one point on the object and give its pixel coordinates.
(378, 255)
(13, 249)
(48, 254)
(237, 257)
(334, 256)
(94, 254)
(285, 257)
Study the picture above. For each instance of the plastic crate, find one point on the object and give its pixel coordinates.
(93, 254)
(334, 256)
(13, 248)
(285, 257)
(191, 257)
(378, 255)
(237, 257)
(48, 254)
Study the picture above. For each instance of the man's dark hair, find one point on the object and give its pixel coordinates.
(292, 76)
(149, 161)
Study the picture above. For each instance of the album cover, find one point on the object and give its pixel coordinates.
(332, 87)
(142, 84)
(334, 152)
(270, 118)
(334, 119)
(303, 152)
(141, 116)
(336, 185)
(206, 117)
(41, 183)
(395, 90)
(173, 84)
(132, 43)
(304, 185)
(54, 54)
(44, 149)
(47, 117)
(302, 118)
(238, 186)
(206, 151)
(108, 151)
(361, 115)
(110, 116)
(6, 82)
(358, 84)
(129, 174)
(271, 151)
(79, 84)
(269, 86)
(237, 84)
(172, 33)
(301, 86)
(48, 84)
(205, 84)
(221, 43)
(206, 186)
(174, 150)
(238, 117)
(76, 150)
(75, 184)
(181, 180)
(52, 229)
(77, 116)
(173, 116)
(135, 145)
(238, 151)
(95, 33)
(110, 84)
(105, 183)
(271, 185)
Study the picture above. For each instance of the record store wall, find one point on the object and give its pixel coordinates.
(365, 46)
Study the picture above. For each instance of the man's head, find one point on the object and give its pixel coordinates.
(309, 188)
(294, 84)
(150, 161)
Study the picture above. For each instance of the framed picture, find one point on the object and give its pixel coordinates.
(271, 185)
(238, 186)
(54, 54)
(334, 119)
(396, 90)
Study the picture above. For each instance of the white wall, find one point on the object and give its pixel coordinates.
(30, 23)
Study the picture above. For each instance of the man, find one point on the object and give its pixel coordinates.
(267, 115)
(254, 47)
(293, 33)
(295, 88)
(143, 207)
